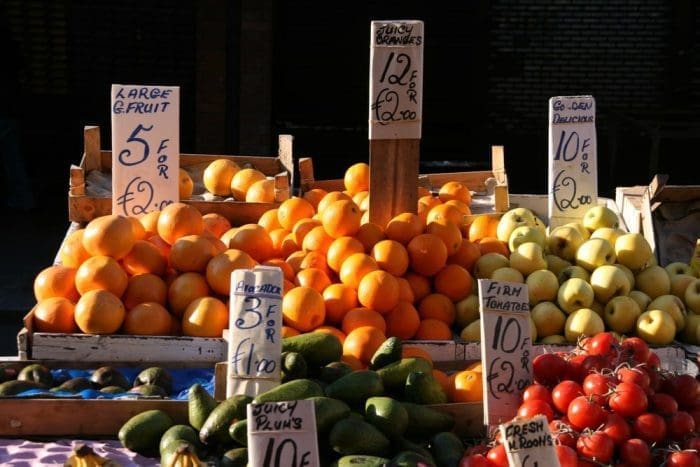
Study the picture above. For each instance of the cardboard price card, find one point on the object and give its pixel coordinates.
(573, 167)
(396, 80)
(255, 331)
(145, 148)
(506, 347)
(529, 443)
(282, 434)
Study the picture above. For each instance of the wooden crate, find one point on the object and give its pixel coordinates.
(82, 207)
(489, 187)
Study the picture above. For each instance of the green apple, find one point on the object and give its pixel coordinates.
(524, 234)
(678, 267)
(486, 264)
(582, 230)
(542, 285)
(689, 334)
(533, 330)
(555, 263)
(642, 299)
(600, 216)
(692, 296)
(673, 306)
(653, 281)
(633, 250)
(508, 274)
(563, 241)
(540, 225)
(472, 331)
(555, 339)
(621, 314)
(628, 272)
(656, 327)
(609, 281)
(466, 310)
(528, 257)
(597, 307)
(679, 284)
(512, 219)
(571, 272)
(595, 252)
(608, 233)
(574, 294)
(583, 322)
(548, 319)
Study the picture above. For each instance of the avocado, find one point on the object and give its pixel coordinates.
(410, 459)
(388, 352)
(149, 390)
(237, 457)
(142, 432)
(318, 348)
(36, 373)
(403, 445)
(215, 428)
(328, 412)
(109, 376)
(447, 449)
(351, 436)
(10, 370)
(239, 432)
(290, 391)
(333, 371)
(388, 415)
(424, 421)
(113, 389)
(394, 375)
(356, 386)
(423, 388)
(293, 366)
(75, 385)
(361, 461)
(179, 432)
(199, 405)
(156, 376)
(14, 387)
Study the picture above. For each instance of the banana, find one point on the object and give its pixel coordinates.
(84, 456)
(695, 259)
(182, 456)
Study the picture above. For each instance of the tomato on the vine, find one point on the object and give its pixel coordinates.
(595, 445)
(537, 391)
(497, 456)
(548, 368)
(574, 368)
(650, 427)
(680, 425)
(634, 349)
(635, 452)
(562, 433)
(628, 400)
(633, 375)
(593, 363)
(584, 412)
(567, 456)
(603, 343)
(565, 392)
(663, 404)
(683, 459)
(598, 384)
(474, 460)
(529, 409)
(684, 388)
(617, 428)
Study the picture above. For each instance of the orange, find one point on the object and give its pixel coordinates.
(185, 185)
(410, 351)
(289, 332)
(101, 272)
(145, 288)
(226, 236)
(56, 281)
(72, 252)
(216, 224)
(455, 190)
(109, 235)
(291, 210)
(145, 257)
(315, 259)
(314, 196)
(363, 342)
(340, 249)
(317, 240)
(55, 314)
(454, 281)
(355, 267)
(444, 212)
(184, 289)
(339, 299)
(426, 202)
(148, 319)
(353, 362)
(150, 222)
(437, 306)
(403, 227)
(359, 317)
(217, 176)
(177, 220)
(262, 191)
(379, 291)
(475, 366)
(391, 256)
(433, 329)
(493, 245)
(466, 255)
(448, 232)
(254, 240)
(99, 312)
(191, 253)
(463, 207)
(287, 270)
(137, 228)
(287, 285)
(268, 220)
(427, 253)
(303, 227)
(216, 243)
(242, 181)
(303, 309)
(369, 234)
(402, 321)
(205, 317)
(314, 278)
(220, 267)
(331, 197)
(333, 331)
(161, 244)
(423, 191)
(420, 285)
(295, 259)
(361, 198)
(468, 387)
(405, 290)
(356, 178)
(443, 379)
(281, 246)
(341, 218)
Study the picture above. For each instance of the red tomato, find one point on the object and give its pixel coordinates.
(680, 425)
(563, 393)
(634, 350)
(477, 449)
(695, 413)
(594, 363)
(663, 404)
(574, 368)
(604, 344)
(548, 368)
(635, 452)
(598, 384)
(475, 460)
(537, 391)
(497, 456)
(683, 459)
(633, 375)
(691, 443)
(653, 361)
(562, 433)
(650, 427)
(535, 407)
(617, 428)
(596, 445)
(567, 456)
(628, 400)
(684, 388)
(584, 412)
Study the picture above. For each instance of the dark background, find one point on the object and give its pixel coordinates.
(251, 69)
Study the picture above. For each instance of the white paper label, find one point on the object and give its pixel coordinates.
(506, 348)
(529, 443)
(145, 148)
(282, 434)
(255, 331)
(396, 80)
(573, 167)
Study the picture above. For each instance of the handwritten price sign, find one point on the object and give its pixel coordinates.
(506, 348)
(396, 80)
(529, 443)
(145, 148)
(283, 434)
(573, 167)
(255, 331)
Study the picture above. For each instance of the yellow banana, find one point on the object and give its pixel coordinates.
(184, 456)
(695, 259)
(84, 456)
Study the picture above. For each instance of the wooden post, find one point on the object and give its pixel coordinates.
(395, 111)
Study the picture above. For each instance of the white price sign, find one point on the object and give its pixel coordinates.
(573, 167)
(529, 443)
(396, 80)
(506, 347)
(255, 331)
(282, 434)
(145, 148)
